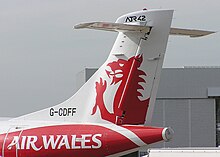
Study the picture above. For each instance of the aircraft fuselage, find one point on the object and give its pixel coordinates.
(74, 139)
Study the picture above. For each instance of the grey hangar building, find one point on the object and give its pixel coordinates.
(188, 100)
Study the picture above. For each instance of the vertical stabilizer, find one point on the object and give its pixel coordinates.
(123, 90)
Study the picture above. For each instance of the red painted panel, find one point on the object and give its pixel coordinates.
(147, 134)
(9, 150)
(2, 137)
(67, 141)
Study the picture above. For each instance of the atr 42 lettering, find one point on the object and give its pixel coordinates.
(62, 112)
(141, 18)
(85, 141)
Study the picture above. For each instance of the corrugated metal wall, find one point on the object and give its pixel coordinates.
(193, 121)
(187, 82)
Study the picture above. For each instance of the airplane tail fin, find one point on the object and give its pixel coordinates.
(123, 90)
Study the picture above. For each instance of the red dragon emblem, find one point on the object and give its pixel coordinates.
(127, 107)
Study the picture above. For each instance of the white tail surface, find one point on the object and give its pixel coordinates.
(123, 90)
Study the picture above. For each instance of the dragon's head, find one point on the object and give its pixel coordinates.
(120, 69)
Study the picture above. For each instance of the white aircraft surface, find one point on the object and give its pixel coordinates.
(106, 116)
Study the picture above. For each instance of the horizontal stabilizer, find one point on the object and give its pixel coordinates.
(116, 27)
(189, 32)
(119, 27)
